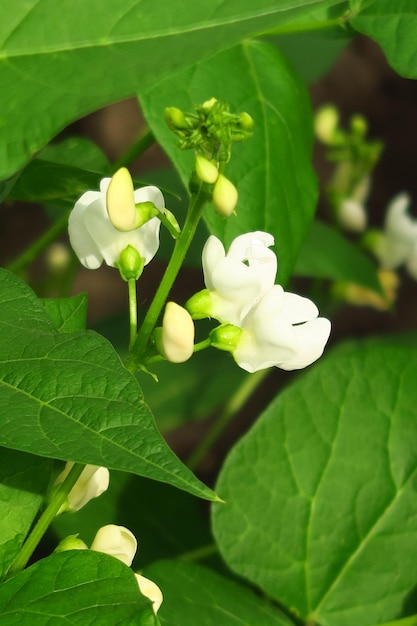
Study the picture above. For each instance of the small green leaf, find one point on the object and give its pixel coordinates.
(327, 254)
(272, 170)
(332, 465)
(77, 587)
(67, 396)
(196, 595)
(393, 25)
(23, 481)
(86, 154)
(68, 314)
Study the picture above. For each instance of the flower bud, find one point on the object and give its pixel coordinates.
(224, 196)
(176, 340)
(175, 119)
(208, 104)
(92, 482)
(352, 215)
(151, 590)
(225, 337)
(200, 305)
(120, 201)
(359, 125)
(72, 542)
(326, 122)
(206, 170)
(245, 121)
(116, 541)
(361, 296)
(130, 264)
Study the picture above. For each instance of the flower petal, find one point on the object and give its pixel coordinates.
(213, 253)
(81, 241)
(312, 338)
(298, 309)
(117, 541)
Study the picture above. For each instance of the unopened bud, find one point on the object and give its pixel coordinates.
(130, 264)
(176, 338)
(352, 215)
(72, 542)
(245, 121)
(359, 125)
(225, 196)
(226, 337)
(175, 119)
(326, 122)
(208, 104)
(206, 170)
(120, 201)
(117, 541)
(92, 482)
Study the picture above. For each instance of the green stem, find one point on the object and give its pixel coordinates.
(199, 553)
(202, 345)
(405, 621)
(291, 29)
(141, 145)
(236, 402)
(40, 244)
(182, 244)
(133, 311)
(45, 520)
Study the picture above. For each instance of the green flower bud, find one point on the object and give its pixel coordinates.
(225, 337)
(326, 122)
(359, 125)
(130, 264)
(145, 211)
(208, 104)
(206, 170)
(70, 543)
(245, 121)
(175, 119)
(225, 196)
(200, 305)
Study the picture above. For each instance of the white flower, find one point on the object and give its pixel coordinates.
(92, 482)
(177, 336)
(397, 244)
(284, 331)
(352, 215)
(121, 543)
(237, 280)
(94, 236)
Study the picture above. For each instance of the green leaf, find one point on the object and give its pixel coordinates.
(67, 396)
(393, 25)
(332, 467)
(57, 70)
(327, 254)
(23, 481)
(77, 587)
(85, 153)
(196, 595)
(272, 170)
(68, 314)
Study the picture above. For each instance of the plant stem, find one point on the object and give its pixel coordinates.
(47, 517)
(236, 402)
(199, 553)
(40, 244)
(182, 244)
(133, 311)
(290, 29)
(145, 140)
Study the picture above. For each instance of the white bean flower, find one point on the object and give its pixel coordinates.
(237, 280)
(121, 543)
(104, 223)
(93, 481)
(282, 330)
(397, 244)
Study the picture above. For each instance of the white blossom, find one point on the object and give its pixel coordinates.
(92, 482)
(352, 215)
(94, 236)
(397, 244)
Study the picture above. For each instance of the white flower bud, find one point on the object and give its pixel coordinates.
(93, 481)
(352, 215)
(120, 201)
(151, 590)
(116, 541)
(225, 196)
(177, 337)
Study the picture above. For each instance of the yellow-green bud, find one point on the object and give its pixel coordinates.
(245, 121)
(175, 119)
(225, 337)
(225, 196)
(71, 543)
(120, 201)
(359, 125)
(326, 122)
(200, 305)
(208, 104)
(175, 341)
(130, 264)
(206, 170)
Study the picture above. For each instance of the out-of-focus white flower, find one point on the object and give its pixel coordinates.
(284, 331)
(397, 244)
(98, 234)
(176, 341)
(262, 325)
(352, 215)
(121, 543)
(117, 541)
(93, 481)
(237, 280)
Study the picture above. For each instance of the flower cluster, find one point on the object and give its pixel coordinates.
(261, 324)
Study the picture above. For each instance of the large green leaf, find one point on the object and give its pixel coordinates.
(196, 595)
(327, 254)
(68, 314)
(67, 396)
(77, 587)
(23, 482)
(393, 25)
(272, 170)
(63, 60)
(321, 508)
